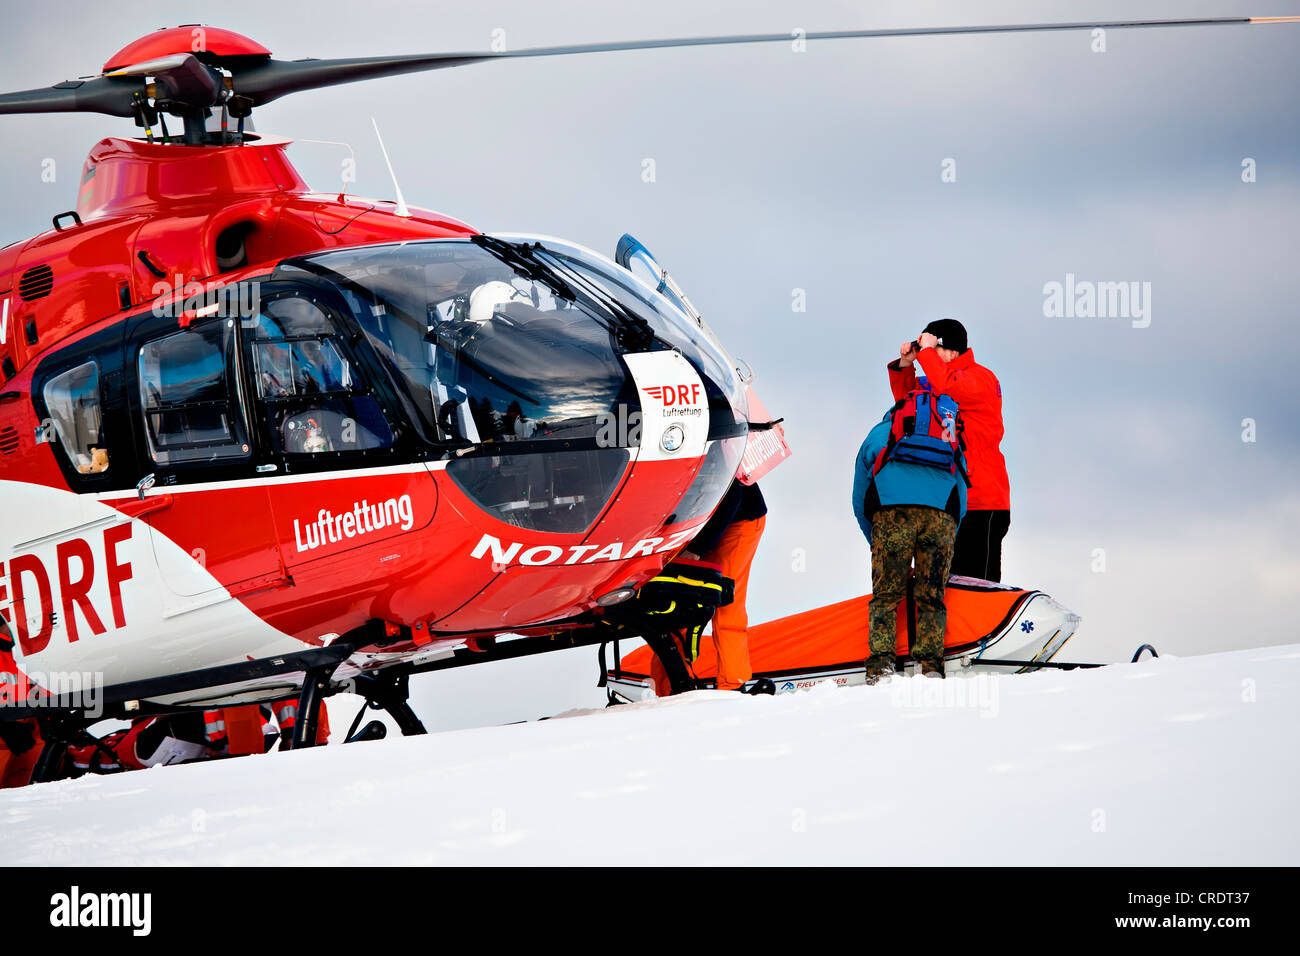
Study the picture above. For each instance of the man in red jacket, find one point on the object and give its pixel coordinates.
(949, 367)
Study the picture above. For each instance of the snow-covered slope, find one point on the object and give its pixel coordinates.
(1171, 761)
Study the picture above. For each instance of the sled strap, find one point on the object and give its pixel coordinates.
(691, 640)
(666, 649)
(911, 614)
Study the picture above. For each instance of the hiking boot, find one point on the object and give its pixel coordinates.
(880, 668)
(932, 668)
(764, 685)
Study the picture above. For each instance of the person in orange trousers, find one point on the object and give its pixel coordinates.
(729, 539)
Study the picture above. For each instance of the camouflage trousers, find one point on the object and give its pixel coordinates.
(899, 535)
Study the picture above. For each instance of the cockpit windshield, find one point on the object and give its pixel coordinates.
(669, 322)
(483, 353)
(494, 342)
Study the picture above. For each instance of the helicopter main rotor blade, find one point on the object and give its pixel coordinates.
(263, 82)
(179, 78)
(275, 78)
(106, 94)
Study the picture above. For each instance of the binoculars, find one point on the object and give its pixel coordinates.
(916, 344)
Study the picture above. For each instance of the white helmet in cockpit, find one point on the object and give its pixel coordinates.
(490, 296)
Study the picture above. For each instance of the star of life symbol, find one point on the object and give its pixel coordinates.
(1026, 626)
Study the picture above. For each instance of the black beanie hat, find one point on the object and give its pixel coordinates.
(950, 333)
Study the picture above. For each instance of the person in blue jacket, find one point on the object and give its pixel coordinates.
(909, 513)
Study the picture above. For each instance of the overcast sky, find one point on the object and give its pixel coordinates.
(820, 171)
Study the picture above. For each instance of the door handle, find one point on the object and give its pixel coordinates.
(139, 507)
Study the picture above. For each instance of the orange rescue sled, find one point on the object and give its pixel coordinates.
(987, 622)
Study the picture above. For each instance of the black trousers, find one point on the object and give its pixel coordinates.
(978, 553)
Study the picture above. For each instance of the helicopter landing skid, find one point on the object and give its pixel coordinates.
(389, 692)
(314, 688)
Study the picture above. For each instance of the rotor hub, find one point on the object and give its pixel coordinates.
(193, 38)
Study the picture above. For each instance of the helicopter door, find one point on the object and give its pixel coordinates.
(323, 425)
(208, 514)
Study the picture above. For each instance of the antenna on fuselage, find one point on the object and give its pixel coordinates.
(401, 203)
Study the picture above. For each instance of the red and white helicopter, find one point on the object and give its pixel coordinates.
(258, 441)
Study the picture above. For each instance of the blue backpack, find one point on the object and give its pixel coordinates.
(925, 429)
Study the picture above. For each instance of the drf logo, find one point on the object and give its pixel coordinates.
(41, 595)
(669, 395)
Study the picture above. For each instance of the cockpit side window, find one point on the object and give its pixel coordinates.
(313, 393)
(73, 402)
(187, 391)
